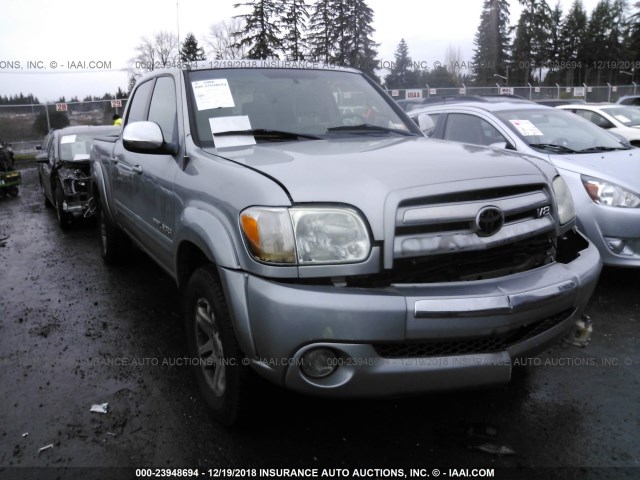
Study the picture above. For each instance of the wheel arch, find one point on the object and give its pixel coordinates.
(98, 184)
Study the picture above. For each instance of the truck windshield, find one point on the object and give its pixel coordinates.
(300, 104)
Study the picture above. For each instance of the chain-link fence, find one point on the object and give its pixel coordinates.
(25, 126)
(607, 93)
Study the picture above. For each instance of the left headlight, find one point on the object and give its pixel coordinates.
(609, 194)
(305, 235)
(566, 207)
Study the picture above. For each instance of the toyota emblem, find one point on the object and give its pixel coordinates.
(489, 221)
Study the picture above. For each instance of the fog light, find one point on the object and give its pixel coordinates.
(319, 362)
(619, 246)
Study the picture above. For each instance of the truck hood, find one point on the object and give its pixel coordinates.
(350, 169)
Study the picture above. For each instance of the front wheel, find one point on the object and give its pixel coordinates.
(64, 219)
(221, 375)
(46, 201)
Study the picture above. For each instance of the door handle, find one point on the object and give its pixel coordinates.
(137, 169)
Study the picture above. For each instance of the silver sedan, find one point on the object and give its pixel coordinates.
(602, 171)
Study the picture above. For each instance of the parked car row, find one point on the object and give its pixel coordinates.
(601, 169)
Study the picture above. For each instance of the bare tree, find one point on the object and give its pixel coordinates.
(222, 41)
(160, 52)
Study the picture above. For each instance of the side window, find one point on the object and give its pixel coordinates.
(163, 110)
(51, 154)
(471, 129)
(594, 117)
(138, 109)
(601, 121)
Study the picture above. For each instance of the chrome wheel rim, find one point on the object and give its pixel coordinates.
(209, 347)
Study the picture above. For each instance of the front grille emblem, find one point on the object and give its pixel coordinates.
(489, 221)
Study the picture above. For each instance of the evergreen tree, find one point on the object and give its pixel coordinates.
(320, 38)
(341, 33)
(293, 22)
(491, 42)
(191, 51)
(261, 29)
(604, 41)
(572, 35)
(531, 45)
(402, 75)
(362, 49)
(633, 41)
(556, 45)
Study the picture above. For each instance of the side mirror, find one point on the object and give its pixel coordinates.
(426, 124)
(145, 137)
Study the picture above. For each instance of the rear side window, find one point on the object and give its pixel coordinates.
(471, 129)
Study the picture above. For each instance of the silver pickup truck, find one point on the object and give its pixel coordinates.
(319, 240)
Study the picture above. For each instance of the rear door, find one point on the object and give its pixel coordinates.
(146, 180)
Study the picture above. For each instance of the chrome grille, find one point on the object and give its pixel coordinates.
(447, 225)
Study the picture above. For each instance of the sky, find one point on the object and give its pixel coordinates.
(76, 48)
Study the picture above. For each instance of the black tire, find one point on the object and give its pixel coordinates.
(223, 379)
(14, 191)
(64, 219)
(47, 203)
(112, 241)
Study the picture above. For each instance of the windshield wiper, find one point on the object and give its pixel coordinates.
(552, 146)
(602, 149)
(368, 128)
(266, 132)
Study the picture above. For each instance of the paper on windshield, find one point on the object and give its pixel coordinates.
(623, 119)
(228, 124)
(526, 128)
(68, 139)
(210, 94)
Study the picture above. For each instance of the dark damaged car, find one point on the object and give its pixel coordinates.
(64, 171)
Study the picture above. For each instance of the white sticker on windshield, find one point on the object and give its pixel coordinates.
(231, 124)
(526, 128)
(81, 156)
(68, 139)
(210, 94)
(623, 119)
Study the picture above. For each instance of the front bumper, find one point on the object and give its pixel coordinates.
(408, 338)
(614, 231)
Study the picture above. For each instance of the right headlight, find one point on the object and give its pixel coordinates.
(305, 235)
(609, 194)
(566, 207)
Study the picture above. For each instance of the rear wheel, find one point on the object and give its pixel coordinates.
(218, 363)
(14, 191)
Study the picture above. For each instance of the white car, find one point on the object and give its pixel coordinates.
(620, 119)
